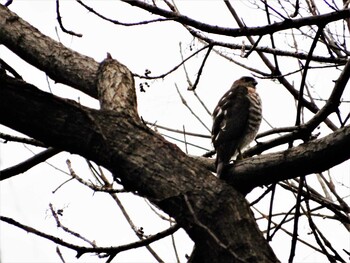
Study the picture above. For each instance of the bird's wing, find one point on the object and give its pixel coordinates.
(230, 117)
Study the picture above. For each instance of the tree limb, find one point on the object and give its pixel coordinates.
(82, 250)
(145, 163)
(247, 31)
(27, 164)
(57, 61)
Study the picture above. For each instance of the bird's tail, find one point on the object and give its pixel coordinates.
(220, 166)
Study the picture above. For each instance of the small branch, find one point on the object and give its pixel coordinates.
(276, 68)
(296, 221)
(318, 235)
(202, 103)
(185, 140)
(28, 164)
(59, 19)
(39, 233)
(276, 130)
(12, 138)
(174, 68)
(336, 209)
(306, 67)
(82, 250)
(253, 47)
(66, 229)
(184, 102)
(340, 200)
(273, 191)
(283, 221)
(296, 10)
(262, 195)
(58, 251)
(8, 3)
(184, 67)
(174, 246)
(137, 231)
(193, 88)
(5, 66)
(188, 143)
(177, 131)
(190, 85)
(96, 188)
(90, 9)
(290, 234)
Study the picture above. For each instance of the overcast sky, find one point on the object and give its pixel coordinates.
(155, 47)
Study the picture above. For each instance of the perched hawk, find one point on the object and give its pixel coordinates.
(236, 121)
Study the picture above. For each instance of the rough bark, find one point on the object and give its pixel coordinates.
(57, 61)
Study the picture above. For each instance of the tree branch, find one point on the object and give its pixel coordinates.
(247, 31)
(312, 157)
(82, 250)
(27, 164)
(57, 61)
(144, 162)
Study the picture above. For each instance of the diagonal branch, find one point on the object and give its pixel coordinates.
(28, 164)
(57, 61)
(82, 250)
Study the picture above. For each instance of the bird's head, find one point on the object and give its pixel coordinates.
(248, 81)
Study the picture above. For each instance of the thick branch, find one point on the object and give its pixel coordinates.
(146, 164)
(312, 157)
(58, 62)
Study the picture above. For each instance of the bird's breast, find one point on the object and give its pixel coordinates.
(254, 119)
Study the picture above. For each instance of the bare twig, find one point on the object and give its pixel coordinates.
(5, 66)
(210, 47)
(59, 19)
(185, 140)
(318, 235)
(137, 231)
(82, 250)
(291, 234)
(28, 164)
(306, 67)
(184, 102)
(12, 138)
(94, 187)
(296, 221)
(178, 131)
(116, 22)
(66, 229)
(58, 251)
(273, 191)
(147, 76)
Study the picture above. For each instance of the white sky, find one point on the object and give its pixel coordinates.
(156, 47)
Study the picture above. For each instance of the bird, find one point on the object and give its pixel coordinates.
(236, 121)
